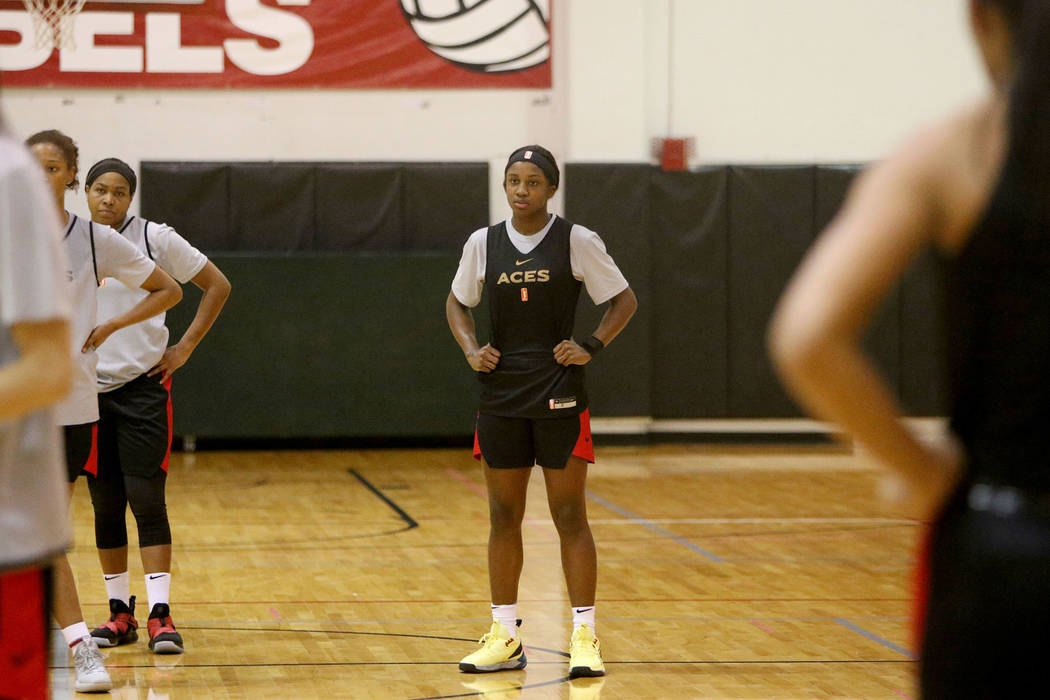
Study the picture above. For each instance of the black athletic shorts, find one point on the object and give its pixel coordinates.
(510, 443)
(986, 610)
(134, 427)
(81, 449)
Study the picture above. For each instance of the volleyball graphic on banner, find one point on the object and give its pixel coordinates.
(489, 36)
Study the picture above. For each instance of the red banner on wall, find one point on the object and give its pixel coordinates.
(287, 44)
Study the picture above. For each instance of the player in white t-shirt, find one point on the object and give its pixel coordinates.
(533, 399)
(134, 383)
(35, 372)
(93, 252)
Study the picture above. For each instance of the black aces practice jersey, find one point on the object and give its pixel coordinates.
(998, 342)
(532, 307)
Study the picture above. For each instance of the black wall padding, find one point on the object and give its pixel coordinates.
(272, 208)
(323, 345)
(359, 206)
(443, 203)
(614, 202)
(690, 294)
(922, 389)
(193, 198)
(771, 225)
(318, 206)
(355, 344)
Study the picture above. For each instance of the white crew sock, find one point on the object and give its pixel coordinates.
(507, 615)
(158, 586)
(75, 632)
(118, 587)
(583, 616)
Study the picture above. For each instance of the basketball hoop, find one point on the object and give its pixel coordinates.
(53, 21)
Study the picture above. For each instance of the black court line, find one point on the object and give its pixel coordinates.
(385, 499)
(684, 662)
(556, 652)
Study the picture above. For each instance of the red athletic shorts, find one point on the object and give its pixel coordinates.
(23, 635)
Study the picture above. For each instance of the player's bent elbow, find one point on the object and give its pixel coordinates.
(793, 347)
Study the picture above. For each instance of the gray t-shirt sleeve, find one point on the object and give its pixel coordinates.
(32, 263)
(175, 254)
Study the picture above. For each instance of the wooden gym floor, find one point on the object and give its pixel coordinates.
(724, 572)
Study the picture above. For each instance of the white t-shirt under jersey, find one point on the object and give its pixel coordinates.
(138, 348)
(115, 257)
(33, 522)
(591, 264)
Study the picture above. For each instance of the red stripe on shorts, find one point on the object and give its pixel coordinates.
(584, 448)
(23, 645)
(91, 466)
(921, 589)
(167, 453)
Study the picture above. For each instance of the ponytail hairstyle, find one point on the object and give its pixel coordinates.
(63, 143)
(1029, 109)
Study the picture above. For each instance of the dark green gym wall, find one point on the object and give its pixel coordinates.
(336, 326)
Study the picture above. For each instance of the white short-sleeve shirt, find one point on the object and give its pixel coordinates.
(33, 522)
(591, 263)
(131, 351)
(113, 256)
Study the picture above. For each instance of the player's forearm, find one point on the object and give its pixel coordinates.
(42, 373)
(156, 302)
(615, 319)
(461, 323)
(835, 382)
(211, 304)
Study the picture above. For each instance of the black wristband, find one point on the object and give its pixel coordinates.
(592, 345)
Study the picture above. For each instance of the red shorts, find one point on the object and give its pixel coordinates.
(509, 443)
(23, 634)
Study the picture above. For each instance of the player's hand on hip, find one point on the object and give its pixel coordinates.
(173, 358)
(97, 336)
(567, 352)
(484, 359)
(924, 495)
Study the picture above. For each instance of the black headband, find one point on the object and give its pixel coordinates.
(112, 165)
(528, 154)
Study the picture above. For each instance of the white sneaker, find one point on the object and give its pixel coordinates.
(92, 676)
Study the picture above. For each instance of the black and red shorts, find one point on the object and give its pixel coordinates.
(511, 443)
(24, 612)
(81, 449)
(134, 427)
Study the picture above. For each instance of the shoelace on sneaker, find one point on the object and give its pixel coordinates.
(120, 619)
(158, 625)
(87, 656)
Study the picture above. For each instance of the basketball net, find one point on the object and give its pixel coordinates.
(53, 21)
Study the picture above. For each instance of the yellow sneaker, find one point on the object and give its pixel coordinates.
(499, 652)
(585, 654)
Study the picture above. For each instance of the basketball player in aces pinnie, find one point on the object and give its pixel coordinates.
(533, 400)
(93, 252)
(35, 371)
(134, 384)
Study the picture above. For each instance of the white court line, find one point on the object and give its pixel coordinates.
(747, 521)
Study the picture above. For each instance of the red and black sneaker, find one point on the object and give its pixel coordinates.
(163, 639)
(121, 628)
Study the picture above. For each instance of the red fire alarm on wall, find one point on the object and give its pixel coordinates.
(674, 153)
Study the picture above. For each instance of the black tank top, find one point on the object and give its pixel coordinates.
(532, 307)
(998, 342)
